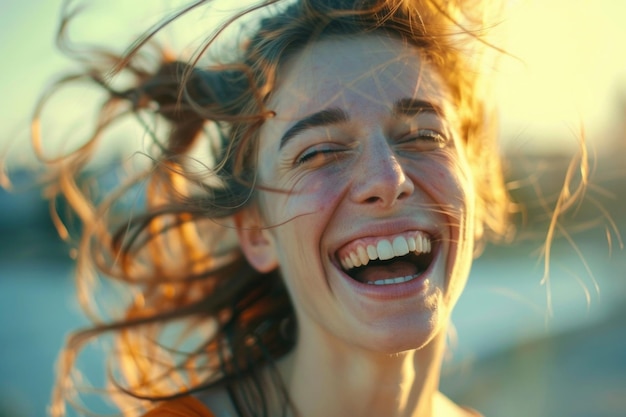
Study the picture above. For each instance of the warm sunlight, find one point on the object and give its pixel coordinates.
(567, 71)
(141, 216)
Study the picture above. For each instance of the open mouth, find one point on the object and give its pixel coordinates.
(388, 261)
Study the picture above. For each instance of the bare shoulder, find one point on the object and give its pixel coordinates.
(443, 406)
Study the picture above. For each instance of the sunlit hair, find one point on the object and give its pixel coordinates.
(192, 313)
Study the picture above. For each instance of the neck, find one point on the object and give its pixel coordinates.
(333, 379)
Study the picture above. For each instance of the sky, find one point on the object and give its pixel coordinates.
(569, 68)
(572, 71)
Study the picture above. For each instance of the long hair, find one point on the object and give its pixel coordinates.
(191, 313)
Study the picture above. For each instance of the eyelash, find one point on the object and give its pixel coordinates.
(429, 136)
(432, 135)
(308, 155)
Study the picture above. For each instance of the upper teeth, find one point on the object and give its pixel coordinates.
(385, 249)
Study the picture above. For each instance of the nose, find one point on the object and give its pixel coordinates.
(380, 178)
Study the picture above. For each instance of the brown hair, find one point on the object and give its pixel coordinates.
(177, 260)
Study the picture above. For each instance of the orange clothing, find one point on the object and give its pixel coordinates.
(191, 407)
(181, 407)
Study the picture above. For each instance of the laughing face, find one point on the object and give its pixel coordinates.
(370, 216)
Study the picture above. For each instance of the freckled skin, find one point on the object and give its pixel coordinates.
(371, 180)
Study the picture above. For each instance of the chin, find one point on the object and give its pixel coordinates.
(408, 334)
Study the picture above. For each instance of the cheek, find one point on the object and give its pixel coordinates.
(301, 216)
(310, 200)
(448, 179)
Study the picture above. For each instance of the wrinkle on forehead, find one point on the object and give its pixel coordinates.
(337, 61)
(362, 75)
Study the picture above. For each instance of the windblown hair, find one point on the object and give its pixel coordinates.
(197, 315)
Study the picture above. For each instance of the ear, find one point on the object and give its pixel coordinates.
(255, 240)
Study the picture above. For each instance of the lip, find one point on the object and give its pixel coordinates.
(394, 291)
(382, 230)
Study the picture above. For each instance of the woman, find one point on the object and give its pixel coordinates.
(311, 269)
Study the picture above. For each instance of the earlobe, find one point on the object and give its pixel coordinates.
(256, 241)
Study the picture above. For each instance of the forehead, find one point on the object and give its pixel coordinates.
(354, 73)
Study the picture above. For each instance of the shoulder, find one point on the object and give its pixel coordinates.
(209, 403)
(472, 412)
(187, 406)
(443, 406)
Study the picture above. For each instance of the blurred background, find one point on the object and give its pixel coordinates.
(522, 347)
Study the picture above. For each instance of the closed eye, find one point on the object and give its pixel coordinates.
(423, 140)
(319, 154)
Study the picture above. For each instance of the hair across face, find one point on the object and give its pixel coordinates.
(337, 126)
(365, 150)
(429, 26)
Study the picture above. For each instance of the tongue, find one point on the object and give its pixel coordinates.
(371, 273)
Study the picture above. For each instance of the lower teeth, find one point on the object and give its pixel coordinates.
(389, 281)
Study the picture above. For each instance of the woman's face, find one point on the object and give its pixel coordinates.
(373, 229)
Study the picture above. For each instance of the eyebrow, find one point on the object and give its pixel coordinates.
(321, 118)
(411, 107)
(334, 115)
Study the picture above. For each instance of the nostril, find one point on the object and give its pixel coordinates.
(403, 195)
(388, 196)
